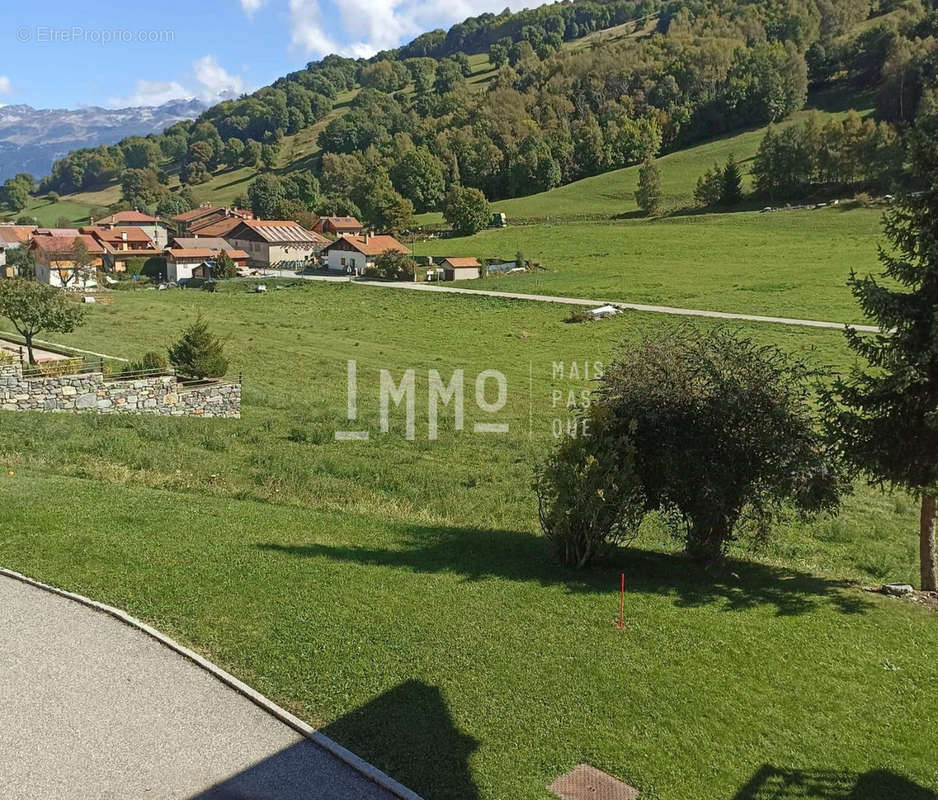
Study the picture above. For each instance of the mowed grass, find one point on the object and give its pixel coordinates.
(397, 593)
(787, 263)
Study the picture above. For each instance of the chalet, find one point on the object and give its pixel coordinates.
(355, 254)
(460, 269)
(121, 244)
(182, 263)
(277, 244)
(154, 227)
(189, 222)
(338, 226)
(12, 237)
(56, 264)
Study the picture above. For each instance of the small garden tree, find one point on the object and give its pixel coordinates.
(886, 418)
(589, 497)
(724, 433)
(731, 190)
(466, 210)
(199, 353)
(225, 267)
(648, 193)
(35, 307)
(393, 265)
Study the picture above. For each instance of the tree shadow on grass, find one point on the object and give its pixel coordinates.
(774, 783)
(478, 554)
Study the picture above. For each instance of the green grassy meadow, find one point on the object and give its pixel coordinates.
(786, 263)
(397, 592)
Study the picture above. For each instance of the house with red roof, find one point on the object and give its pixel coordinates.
(338, 226)
(154, 227)
(277, 244)
(355, 254)
(58, 264)
(121, 244)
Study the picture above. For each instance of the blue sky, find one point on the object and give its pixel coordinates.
(68, 53)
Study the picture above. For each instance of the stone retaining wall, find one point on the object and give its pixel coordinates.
(95, 392)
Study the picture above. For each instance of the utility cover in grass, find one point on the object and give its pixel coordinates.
(584, 782)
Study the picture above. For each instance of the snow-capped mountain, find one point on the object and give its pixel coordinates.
(31, 139)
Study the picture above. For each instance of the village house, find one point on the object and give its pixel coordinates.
(154, 227)
(121, 244)
(460, 269)
(12, 237)
(189, 222)
(338, 226)
(277, 244)
(355, 254)
(182, 264)
(56, 264)
(213, 228)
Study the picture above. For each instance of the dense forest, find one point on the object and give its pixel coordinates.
(400, 129)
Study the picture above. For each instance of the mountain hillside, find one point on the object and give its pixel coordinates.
(31, 139)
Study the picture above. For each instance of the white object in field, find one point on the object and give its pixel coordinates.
(87, 299)
(604, 311)
(260, 288)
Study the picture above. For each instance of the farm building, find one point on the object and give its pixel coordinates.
(181, 264)
(354, 254)
(460, 269)
(276, 244)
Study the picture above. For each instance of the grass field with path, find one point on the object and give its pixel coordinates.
(397, 592)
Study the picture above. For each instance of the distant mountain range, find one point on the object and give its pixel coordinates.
(31, 139)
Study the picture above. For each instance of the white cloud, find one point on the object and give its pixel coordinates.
(373, 25)
(151, 93)
(5, 86)
(215, 80)
(250, 6)
(209, 81)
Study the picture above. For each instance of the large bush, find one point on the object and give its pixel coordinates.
(725, 435)
(589, 497)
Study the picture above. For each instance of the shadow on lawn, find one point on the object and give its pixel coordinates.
(772, 783)
(406, 732)
(478, 554)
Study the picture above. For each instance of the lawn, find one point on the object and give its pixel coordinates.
(397, 592)
(787, 263)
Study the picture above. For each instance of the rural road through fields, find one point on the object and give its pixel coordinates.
(93, 707)
(579, 301)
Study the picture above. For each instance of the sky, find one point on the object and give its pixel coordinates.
(75, 53)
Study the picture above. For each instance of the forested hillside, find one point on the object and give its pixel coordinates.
(515, 104)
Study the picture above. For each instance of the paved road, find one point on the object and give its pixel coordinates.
(93, 708)
(582, 301)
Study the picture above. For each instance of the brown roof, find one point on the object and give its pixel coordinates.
(462, 262)
(282, 230)
(195, 213)
(200, 242)
(372, 245)
(128, 216)
(60, 245)
(341, 222)
(198, 252)
(213, 227)
(56, 232)
(127, 233)
(16, 234)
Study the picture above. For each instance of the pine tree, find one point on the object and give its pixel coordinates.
(199, 353)
(648, 194)
(731, 191)
(885, 418)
